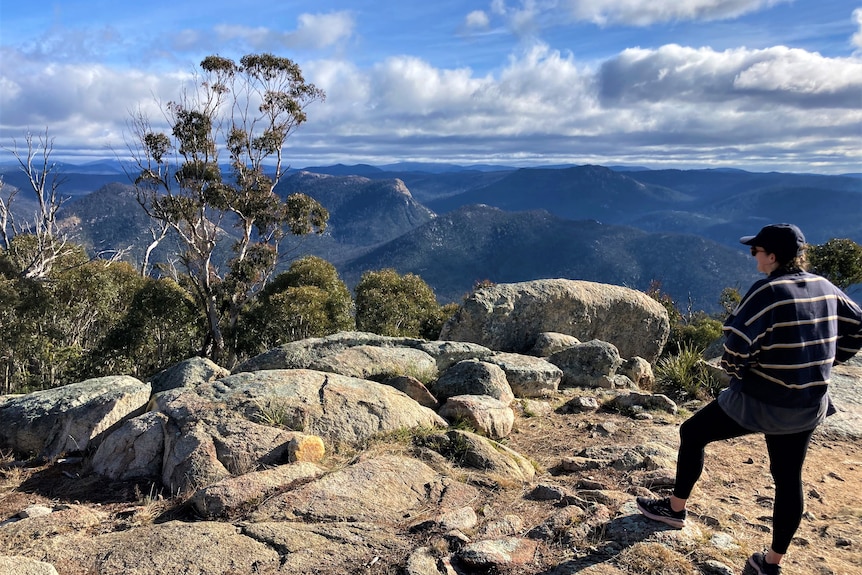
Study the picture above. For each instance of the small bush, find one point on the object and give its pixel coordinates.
(686, 376)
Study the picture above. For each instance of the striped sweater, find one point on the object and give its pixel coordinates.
(785, 335)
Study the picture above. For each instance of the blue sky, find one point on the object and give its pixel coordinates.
(755, 84)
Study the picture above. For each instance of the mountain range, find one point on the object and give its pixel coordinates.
(455, 226)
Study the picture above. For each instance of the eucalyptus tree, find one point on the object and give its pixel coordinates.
(839, 260)
(394, 305)
(44, 179)
(307, 300)
(242, 114)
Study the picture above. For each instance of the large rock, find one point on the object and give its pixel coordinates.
(237, 494)
(376, 363)
(473, 377)
(528, 376)
(313, 353)
(384, 489)
(590, 364)
(844, 392)
(135, 450)
(332, 547)
(70, 418)
(303, 354)
(338, 408)
(187, 373)
(14, 565)
(469, 450)
(510, 317)
(203, 548)
(483, 413)
(206, 441)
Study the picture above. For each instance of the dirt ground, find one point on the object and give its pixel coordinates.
(736, 481)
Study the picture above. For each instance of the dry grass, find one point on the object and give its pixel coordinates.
(653, 559)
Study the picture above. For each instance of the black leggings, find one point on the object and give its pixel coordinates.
(786, 457)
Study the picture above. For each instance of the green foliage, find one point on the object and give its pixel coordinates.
(729, 299)
(187, 193)
(393, 305)
(684, 375)
(838, 260)
(53, 325)
(308, 300)
(160, 328)
(695, 330)
(698, 332)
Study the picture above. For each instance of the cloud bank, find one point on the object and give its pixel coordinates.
(777, 108)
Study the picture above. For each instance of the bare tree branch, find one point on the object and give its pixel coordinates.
(45, 181)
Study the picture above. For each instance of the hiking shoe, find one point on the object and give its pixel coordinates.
(660, 510)
(757, 565)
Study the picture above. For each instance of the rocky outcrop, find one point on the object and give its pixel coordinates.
(401, 487)
(135, 450)
(25, 566)
(510, 317)
(338, 408)
(528, 376)
(471, 451)
(69, 418)
(336, 455)
(187, 373)
(313, 353)
(238, 494)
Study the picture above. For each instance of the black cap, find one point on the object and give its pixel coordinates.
(784, 240)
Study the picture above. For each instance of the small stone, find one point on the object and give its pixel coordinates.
(499, 553)
(546, 492)
(713, 567)
(589, 484)
(35, 511)
(573, 464)
(724, 542)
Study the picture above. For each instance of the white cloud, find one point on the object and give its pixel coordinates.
(477, 19)
(670, 103)
(646, 12)
(313, 32)
(83, 106)
(775, 75)
(857, 37)
(257, 38)
(741, 106)
(321, 30)
(498, 7)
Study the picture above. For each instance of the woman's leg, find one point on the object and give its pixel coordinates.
(786, 458)
(707, 425)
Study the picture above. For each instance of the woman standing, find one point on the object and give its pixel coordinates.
(780, 345)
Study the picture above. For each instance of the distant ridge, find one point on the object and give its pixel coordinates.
(343, 170)
(454, 228)
(476, 243)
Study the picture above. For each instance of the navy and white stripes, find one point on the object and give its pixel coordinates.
(785, 335)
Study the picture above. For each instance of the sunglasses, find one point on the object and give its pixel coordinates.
(755, 251)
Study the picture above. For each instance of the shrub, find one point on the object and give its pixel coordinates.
(685, 375)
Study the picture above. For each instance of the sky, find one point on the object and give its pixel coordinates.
(761, 85)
